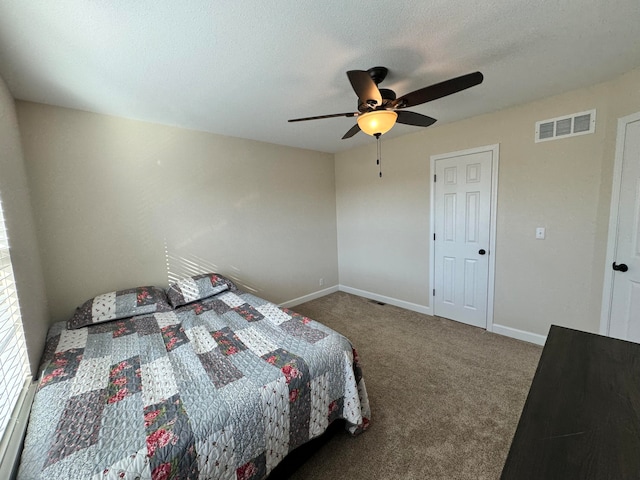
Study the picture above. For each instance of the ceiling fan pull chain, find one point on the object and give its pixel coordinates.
(379, 154)
(380, 157)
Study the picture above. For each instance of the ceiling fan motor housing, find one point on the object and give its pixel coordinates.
(388, 96)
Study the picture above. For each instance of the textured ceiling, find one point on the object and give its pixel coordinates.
(244, 68)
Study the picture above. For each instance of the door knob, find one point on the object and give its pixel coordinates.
(482, 251)
(620, 268)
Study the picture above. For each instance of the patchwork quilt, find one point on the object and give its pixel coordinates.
(222, 388)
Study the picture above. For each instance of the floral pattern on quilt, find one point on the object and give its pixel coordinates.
(228, 342)
(167, 428)
(124, 380)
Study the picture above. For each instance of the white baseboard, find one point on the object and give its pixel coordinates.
(499, 329)
(308, 298)
(382, 298)
(519, 334)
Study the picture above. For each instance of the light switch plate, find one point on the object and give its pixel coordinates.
(540, 232)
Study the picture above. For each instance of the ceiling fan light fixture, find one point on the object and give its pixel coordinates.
(377, 122)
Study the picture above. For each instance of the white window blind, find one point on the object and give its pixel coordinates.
(14, 363)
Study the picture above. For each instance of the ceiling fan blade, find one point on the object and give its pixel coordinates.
(365, 87)
(318, 117)
(352, 131)
(412, 118)
(439, 90)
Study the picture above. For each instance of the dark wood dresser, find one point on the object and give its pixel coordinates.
(581, 419)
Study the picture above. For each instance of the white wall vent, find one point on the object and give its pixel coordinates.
(567, 126)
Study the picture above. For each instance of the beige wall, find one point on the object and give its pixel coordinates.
(563, 185)
(121, 203)
(16, 205)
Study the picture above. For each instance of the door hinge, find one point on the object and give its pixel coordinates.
(434, 292)
(434, 178)
(434, 236)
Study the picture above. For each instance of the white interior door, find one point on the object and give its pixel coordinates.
(624, 320)
(462, 210)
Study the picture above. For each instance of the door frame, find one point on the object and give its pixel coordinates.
(614, 216)
(495, 151)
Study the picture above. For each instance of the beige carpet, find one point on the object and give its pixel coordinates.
(445, 397)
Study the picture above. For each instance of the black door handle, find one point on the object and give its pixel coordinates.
(620, 268)
(482, 251)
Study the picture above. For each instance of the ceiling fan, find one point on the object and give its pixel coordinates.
(379, 109)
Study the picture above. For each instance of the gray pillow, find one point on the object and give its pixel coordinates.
(118, 305)
(191, 289)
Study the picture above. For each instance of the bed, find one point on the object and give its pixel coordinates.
(205, 381)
